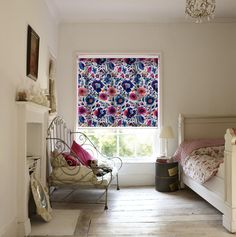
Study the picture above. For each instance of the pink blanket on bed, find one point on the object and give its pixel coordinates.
(188, 146)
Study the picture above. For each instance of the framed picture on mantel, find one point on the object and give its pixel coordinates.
(32, 54)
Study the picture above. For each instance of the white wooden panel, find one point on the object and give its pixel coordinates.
(137, 174)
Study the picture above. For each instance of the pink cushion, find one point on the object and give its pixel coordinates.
(71, 160)
(83, 155)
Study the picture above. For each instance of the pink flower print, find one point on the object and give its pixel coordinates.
(82, 110)
(155, 113)
(126, 112)
(133, 96)
(141, 91)
(95, 112)
(103, 96)
(111, 110)
(149, 123)
(141, 110)
(111, 91)
(82, 91)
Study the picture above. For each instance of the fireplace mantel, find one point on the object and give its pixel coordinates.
(32, 128)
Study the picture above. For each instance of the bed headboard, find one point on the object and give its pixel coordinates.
(194, 126)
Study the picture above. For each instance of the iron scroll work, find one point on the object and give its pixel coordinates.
(59, 139)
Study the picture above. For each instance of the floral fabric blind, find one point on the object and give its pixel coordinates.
(117, 92)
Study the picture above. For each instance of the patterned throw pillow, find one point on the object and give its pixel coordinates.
(83, 155)
(71, 160)
(58, 160)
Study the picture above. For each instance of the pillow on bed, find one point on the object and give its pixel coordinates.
(188, 146)
(83, 155)
(58, 160)
(71, 160)
(203, 163)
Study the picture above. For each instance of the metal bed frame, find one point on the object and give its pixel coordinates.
(60, 138)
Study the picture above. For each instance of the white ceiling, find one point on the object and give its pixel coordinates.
(133, 11)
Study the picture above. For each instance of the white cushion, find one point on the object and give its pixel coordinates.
(79, 175)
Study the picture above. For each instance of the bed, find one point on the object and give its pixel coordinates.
(220, 190)
(74, 161)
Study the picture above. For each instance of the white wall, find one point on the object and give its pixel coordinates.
(14, 17)
(198, 63)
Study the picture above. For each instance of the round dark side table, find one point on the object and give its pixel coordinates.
(167, 175)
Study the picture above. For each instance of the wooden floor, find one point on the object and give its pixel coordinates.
(142, 212)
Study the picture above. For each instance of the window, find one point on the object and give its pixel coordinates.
(127, 143)
(118, 104)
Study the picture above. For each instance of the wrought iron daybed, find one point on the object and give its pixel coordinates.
(67, 167)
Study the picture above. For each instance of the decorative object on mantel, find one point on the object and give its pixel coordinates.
(41, 198)
(32, 54)
(32, 93)
(199, 9)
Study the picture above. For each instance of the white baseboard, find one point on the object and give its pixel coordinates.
(24, 228)
(229, 219)
(9, 230)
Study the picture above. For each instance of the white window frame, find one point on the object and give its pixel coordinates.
(117, 132)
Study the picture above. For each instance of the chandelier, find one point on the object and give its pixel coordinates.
(199, 9)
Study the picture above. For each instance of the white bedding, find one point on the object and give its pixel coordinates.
(63, 173)
(79, 175)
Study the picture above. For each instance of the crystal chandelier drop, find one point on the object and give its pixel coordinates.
(199, 9)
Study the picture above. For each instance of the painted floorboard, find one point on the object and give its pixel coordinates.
(141, 211)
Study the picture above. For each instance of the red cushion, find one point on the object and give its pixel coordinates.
(71, 160)
(83, 155)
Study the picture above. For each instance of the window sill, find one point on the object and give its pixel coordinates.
(139, 161)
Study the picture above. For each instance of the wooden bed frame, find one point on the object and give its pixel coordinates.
(219, 192)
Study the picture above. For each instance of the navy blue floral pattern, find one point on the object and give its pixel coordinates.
(117, 92)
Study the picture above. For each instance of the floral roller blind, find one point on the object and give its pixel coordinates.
(117, 92)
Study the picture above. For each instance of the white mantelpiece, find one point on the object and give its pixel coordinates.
(32, 127)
